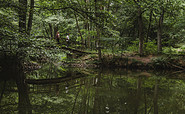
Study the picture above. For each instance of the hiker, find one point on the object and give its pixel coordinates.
(67, 38)
(58, 37)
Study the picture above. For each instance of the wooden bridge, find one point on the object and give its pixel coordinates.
(74, 53)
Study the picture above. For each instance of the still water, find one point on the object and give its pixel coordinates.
(57, 90)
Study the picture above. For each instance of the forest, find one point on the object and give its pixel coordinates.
(92, 56)
(109, 31)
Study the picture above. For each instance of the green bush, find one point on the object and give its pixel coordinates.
(134, 46)
(160, 62)
(150, 47)
(168, 50)
(165, 62)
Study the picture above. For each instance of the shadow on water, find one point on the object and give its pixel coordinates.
(11, 78)
(92, 91)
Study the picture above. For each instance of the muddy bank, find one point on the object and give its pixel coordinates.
(148, 62)
(132, 62)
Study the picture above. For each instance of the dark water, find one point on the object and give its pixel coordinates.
(55, 90)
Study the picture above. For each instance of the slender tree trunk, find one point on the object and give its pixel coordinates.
(51, 30)
(98, 44)
(159, 46)
(46, 29)
(86, 25)
(98, 32)
(55, 30)
(159, 33)
(30, 16)
(149, 25)
(22, 15)
(141, 35)
(88, 36)
(82, 40)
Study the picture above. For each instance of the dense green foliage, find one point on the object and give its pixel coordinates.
(115, 26)
(113, 32)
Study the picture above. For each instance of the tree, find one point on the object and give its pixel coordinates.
(22, 15)
(30, 16)
(140, 24)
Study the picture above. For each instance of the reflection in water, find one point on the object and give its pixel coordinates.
(24, 102)
(66, 88)
(3, 89)
(24, 105)
(156, 97)
(107, 109)
(138, 95)
(98, 92)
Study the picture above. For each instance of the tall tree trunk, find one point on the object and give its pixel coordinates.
(149, 25)
(88, 37)
(141, 34)
(159, 32)
(22, 15)
(99, 44)
(98, 31)
(88, 26)
(55, 30)
(46, 30)
(82, 40)
(51, 30)
(30, 16)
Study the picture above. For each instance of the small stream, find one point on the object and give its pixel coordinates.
(56, 90)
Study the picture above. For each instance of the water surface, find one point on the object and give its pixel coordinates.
(57, 90)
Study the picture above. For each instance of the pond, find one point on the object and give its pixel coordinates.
(57, 90)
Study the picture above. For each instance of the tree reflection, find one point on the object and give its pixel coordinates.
(138, 95)
(156, 97)
(97, 98)
(98, 94)
(2, 92)
(24, 105)
(8, 75)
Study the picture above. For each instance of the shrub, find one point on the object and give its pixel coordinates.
(151, 47)
(134, 46)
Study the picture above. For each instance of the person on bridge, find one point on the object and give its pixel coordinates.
(58, 37)
(67, 38)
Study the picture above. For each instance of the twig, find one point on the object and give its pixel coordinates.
(176, 66)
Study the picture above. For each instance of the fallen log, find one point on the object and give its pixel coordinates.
(52, 80)
(175, 66)
(76, 51)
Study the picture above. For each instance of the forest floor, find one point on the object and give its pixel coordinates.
(126, 60)
(131, 61)
(146, 59)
